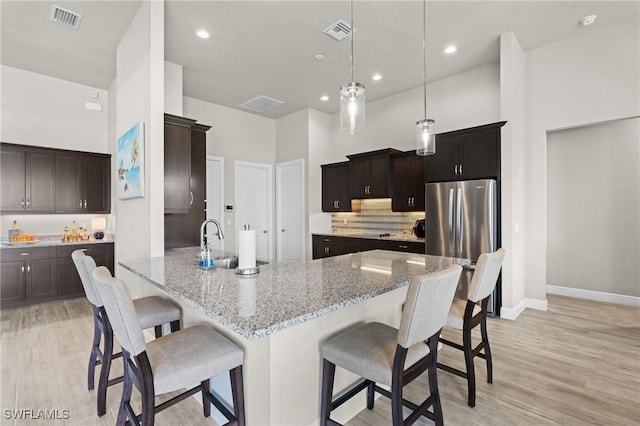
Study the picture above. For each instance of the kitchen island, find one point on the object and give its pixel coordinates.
(282, 314)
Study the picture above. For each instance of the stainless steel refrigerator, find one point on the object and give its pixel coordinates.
(461, 221)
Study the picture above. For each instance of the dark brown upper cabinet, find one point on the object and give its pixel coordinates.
(472, 153)
(83, 182)
(369, 174)
(28, 179)
(178, 196)
(335, 187)
(46, 180)
(407, 180)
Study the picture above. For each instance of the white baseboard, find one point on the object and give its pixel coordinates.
(599, 296)
(513, 313)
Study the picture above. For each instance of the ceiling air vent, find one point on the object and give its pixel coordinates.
(261, 103)
(339, 30)
(65, 17)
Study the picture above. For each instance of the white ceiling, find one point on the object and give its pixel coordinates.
(268, 47)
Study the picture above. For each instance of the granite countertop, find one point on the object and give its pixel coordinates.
(53, 240)
(373, 236)
(282, 294)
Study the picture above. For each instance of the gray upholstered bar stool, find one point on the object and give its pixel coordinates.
(394, 357)
(153, 311)
(172, 362)
(465, 315)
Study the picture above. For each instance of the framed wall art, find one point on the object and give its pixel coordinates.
(131, 163)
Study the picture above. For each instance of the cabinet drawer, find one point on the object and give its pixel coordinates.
(89, 249)
(408, 246)
(27, 253)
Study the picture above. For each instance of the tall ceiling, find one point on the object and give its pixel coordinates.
(268, 47)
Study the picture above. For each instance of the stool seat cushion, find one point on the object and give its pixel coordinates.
(189, 356)
(369, 350)
(154, 310)
(455, 319)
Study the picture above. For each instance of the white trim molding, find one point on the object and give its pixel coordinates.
(513, 313)
(599, 296)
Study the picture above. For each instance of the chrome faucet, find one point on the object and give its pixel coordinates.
(203, 229)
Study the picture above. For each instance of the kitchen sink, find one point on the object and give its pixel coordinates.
(226, 262)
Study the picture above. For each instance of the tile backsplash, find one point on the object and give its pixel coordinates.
(375, 217)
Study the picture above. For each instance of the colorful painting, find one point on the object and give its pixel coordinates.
(131, 163)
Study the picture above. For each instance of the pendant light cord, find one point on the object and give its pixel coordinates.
(424, 51)
(351, 7)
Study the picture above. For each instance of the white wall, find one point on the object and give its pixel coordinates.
(172, 88)
(578, 81)
(593, 234)
(235, 135)
(140, 97)
(44, 111)
(512, 110)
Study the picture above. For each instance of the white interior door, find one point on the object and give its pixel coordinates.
(254, 203)
(290, 210)
(215, 199)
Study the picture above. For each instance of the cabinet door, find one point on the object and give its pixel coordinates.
(403, 180)
(12, 179)
(378, 177)
(68, 182)
(335, 188)
(40, 181)
(96, 183)
(479, 155)
(12, 282)
(41, 278)
(359, 178)
(177, 168)
(441, 166)
(418, 178)
(69, 282)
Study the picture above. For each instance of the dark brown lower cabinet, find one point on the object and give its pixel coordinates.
(31, 275)
(28, 275)
(327, 246)
(69, 283)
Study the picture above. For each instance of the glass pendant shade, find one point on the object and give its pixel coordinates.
(425, 137)
(352, 108)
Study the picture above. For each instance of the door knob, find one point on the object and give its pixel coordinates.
(264, 232)
(282, 230)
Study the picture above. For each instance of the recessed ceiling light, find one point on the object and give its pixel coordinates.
(324, 98)
(318, 57)
(587, 20)
(450, 49)
(376, 77)
(202, 34)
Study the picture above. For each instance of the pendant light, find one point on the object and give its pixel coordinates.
(425, 137)
(352, 99)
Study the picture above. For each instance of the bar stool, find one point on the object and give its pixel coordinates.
(153, 311)
(394, 357)
(465, 315)
(171, 362)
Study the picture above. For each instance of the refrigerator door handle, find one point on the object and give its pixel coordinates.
(459, 221)
(451, 220)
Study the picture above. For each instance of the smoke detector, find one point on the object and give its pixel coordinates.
(338, 30)
(261, 104)
(65, 17)
(587, 20)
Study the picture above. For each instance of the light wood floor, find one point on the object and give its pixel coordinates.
(576, 364)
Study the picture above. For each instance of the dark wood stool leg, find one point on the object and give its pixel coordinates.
(468, 359)
(371, 393)
(95, 347)
(146, 389)
(397, 383)
(237, 391)
(175, 326)
(206, 405)
(433, 381)
(158, 330)
(126, 391)
(485, 341)
(106, 364)
(328, 373)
